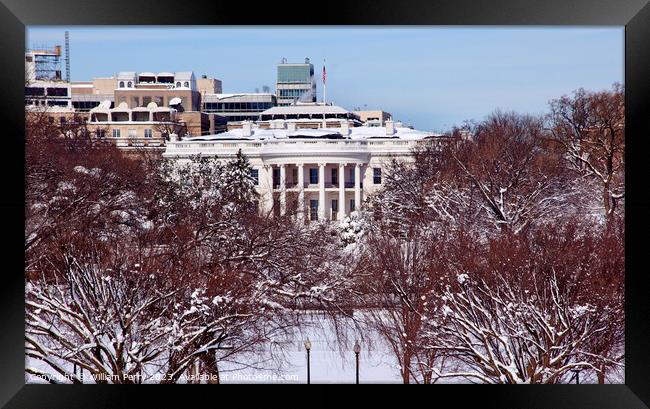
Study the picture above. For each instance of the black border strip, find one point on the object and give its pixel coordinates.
(632, 14)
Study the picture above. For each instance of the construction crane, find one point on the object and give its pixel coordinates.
(67, 56)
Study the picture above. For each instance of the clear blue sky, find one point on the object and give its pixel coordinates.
(430, 77)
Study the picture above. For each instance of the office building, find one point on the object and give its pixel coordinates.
(295, 83)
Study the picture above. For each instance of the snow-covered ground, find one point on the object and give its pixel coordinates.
(330, 361)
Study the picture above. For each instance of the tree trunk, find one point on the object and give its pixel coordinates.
(606, 202)
(210, 368)
(601, 374)
(406, 364)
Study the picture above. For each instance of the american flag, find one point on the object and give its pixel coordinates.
(324, 75)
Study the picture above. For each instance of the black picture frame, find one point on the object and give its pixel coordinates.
(15, 15)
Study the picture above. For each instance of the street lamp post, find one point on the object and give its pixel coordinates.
(357, 349)
(308, 348)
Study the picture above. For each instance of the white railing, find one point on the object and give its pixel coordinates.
(288, 147)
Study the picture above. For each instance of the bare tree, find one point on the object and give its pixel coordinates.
(396, 277)
(509, 174)
(171, 126)
(502, 334)
(590, 127)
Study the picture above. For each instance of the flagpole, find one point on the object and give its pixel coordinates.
(324, 82)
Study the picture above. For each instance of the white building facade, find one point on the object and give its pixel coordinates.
(313, 174)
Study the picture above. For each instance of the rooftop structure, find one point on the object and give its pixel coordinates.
(161, 80)
(373, 117)
(44, 84)
(309, 115)
(43, 64)
(239, 106)
(295, 82)
(208, 85)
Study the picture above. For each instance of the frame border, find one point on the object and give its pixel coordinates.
(15, 15)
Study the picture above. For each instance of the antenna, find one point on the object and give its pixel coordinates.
(67, 56)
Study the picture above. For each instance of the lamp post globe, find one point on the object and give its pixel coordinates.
(357, 350)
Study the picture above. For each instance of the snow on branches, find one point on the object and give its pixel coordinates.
(500, 333)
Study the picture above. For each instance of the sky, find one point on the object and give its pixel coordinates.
(430, 77)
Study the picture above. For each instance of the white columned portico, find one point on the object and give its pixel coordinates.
(283, 189)
(341, 210)
(269, 182)
(357, 186)
(321, 191)
(301, 191)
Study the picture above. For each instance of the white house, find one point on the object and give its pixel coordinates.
(322, 173)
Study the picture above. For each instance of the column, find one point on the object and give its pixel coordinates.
(321, 191)
(341, 191)
(357, 186)
(283, 190)
(269, 183)
(301, 192)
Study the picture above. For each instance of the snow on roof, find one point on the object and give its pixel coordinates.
(234, 134)
(368, 132)
(146, 74)
(361, 132)
(305, 109)
(165, 74)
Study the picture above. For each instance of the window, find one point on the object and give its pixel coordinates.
(186, 84)
(57, 92)
(35, 91)
(116, 133)
(178, 84)
(148, 133)
(255, 174)
(133, 133)
(130, 85)
(335, 176)
(313, 176)
(276, 177)
(376, 176)
(294, 173)
(121, 84)
(335, 209)
(352, 207)
(352, 175)
(313, 209)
